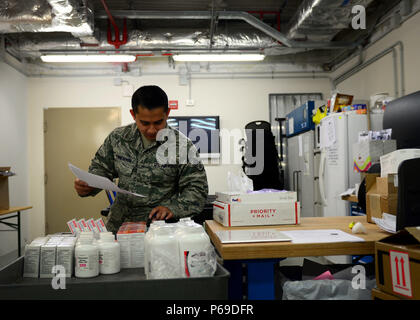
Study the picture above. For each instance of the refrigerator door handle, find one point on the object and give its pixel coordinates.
(321, 178)
(297, 185)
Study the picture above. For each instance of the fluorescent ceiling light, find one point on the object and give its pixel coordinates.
(218, 57)
(89, 58)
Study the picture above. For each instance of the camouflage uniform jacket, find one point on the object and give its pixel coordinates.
(180, 186)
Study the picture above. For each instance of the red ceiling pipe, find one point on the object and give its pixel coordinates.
(116, 41)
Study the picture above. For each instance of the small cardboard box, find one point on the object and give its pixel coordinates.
(386, 185)
(390, 162)
(397, 262)
(381, 197)
(380, 295)
(367, 153)
(4, 189)
(236, 214)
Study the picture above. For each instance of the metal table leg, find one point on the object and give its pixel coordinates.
(15, 226)
(261, 284)
(18, 230)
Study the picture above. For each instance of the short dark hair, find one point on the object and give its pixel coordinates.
(149, 97)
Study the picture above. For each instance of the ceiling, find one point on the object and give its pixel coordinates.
(316, 32)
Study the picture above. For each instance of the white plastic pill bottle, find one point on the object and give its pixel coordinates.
(194, 244)
(109, 255)
(86, 259)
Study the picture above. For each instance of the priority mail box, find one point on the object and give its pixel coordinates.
(390, 162)
(235, 214)
(397, 262)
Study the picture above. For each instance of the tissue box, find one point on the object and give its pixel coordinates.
(390, 162)
(257, 209)
(367, 153)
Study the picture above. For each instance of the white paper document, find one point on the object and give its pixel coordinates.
(252, 235)
(388, 223)
(349, 192)
(321, 236)
(99, 182)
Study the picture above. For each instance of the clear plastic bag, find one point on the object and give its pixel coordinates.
(239, 183)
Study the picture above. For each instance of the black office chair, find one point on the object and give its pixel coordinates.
(105, 212)
(408, 212)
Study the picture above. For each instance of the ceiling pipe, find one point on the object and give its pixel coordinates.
(228, 15)
(117, 42)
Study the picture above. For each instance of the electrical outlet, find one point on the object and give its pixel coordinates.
(190, 103)
(117, 82)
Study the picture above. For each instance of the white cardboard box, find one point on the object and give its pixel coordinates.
(132, 250)
(47, 260)
(65, 254)
(282, 212)
(235, 197)
(390, 162)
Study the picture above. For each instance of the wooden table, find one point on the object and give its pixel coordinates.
(260, 257)
(351, 198)
(15, 226)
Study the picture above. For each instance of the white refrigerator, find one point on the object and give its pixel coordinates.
(338, 132)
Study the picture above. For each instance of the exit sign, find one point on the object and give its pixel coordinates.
(173, 104)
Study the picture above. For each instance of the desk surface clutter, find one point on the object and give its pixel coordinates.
(290, 249)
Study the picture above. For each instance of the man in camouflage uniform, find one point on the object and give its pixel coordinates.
(133, 154)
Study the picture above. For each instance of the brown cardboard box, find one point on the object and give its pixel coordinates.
(4, 190)
(397, 263)
(386, 186)
(381, 196)
(380, 295)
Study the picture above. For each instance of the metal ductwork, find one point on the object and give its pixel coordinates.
(229, 15)
(155, 40)
(47, 16)
(321, 20)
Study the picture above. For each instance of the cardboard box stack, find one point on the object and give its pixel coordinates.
(397, 262)
(381, 196)
(4, 187)
(130, 236)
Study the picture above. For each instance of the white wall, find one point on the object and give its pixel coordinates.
(13, 150)
(237, 102)
(379, 76)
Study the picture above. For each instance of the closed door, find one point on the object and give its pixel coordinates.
(73, 135)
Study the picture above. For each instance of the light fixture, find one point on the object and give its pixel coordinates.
(219, 57)
(88, 58)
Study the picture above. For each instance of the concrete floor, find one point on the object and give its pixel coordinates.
(9, 257)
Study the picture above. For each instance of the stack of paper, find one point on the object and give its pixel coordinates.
(388, 223)
(321, 236)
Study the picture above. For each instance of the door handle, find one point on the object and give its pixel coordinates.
(297, 184)
(321, 178)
